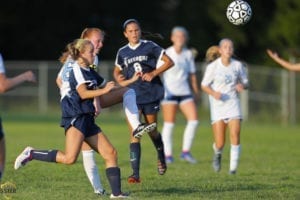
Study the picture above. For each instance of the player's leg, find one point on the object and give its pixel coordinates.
(2, 150)
(91, 169)
(169, 110)
(102, 145)
(74, 139)
(158, 143)
(219, 130)
(234, 126)
(114, 97)
(189, 110)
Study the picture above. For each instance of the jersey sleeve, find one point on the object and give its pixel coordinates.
(101, 82)
(157, 52)
(243, 75)
(2, 68)
(191, 60)
(208, 76)
(119, 61)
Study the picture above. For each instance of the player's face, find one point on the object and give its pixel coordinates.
(88, 54)
(133, 33)
(226, 49)
(178, 38)
(97, 40)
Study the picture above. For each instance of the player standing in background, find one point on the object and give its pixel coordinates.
(7, 84)
(282, 62)
(223, 79)
(78, 117)
(144, 59)
(181, 90)
(117, 95)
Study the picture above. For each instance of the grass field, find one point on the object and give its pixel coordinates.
(269, 166)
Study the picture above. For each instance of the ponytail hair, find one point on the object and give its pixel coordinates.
(74, 49)
(212, 53)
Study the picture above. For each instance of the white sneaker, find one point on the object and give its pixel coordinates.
(120, 196)
(23, 158)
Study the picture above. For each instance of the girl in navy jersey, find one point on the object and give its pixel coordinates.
(78, 118)
(146, 60)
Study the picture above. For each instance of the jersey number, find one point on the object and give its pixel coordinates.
(137, 67)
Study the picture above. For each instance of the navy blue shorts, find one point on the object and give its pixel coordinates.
(1, 130)
(149, 108)
(177, 99)
(84, 123)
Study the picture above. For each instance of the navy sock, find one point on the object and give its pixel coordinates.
(135, 157)
(158, 143)
(113, 175)
(44, 155)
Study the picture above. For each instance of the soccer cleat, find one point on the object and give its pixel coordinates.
(120, 196)
(23, 158)
(143, 128)
(232, 172)
(217, 162)
(133, 179)
(169, 159)
(101, 193)
(187, 156)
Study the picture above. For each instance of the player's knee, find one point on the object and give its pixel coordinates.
(70, 160)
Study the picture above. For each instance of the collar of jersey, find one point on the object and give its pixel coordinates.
(134, 47)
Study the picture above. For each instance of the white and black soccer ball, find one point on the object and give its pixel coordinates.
(239, 12)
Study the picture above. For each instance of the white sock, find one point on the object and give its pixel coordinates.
(188, 135)
(131, 109)
(216, 150)
(91, 170)
(167, 132)
(234, 156)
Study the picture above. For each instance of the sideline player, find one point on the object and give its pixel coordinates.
(181, 90)
(143, 58)
(7, 84)
(282, 62)
(78, 118)
(223, 79)
(117, 95)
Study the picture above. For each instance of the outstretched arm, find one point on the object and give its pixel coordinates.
(7, 84)
(282, 62)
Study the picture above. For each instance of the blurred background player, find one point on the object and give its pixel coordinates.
(142, 58)
(7, 84)
(223, 79)
(78, 117)
(117, 95)
(284, 63)
(181, 91)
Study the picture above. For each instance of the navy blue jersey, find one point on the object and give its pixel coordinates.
(71, 103)
(142, 58)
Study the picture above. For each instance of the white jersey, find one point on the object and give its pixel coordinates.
(176, 79)
(64, 75)
(2, 68)
(224, 79)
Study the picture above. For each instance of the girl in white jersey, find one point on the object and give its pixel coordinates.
(285, 64)
(223, 79)
(181, 86)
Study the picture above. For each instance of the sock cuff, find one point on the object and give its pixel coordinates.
(235, 147)
(135, 144)
(169, 124)
(113, 171)
(193, 122)
(87, 152)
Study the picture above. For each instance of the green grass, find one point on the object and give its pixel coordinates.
(269, 166)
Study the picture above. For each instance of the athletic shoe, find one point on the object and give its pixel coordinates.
(143, 128)
(169, 159)
(23, 158)
(133, 179)
(161, 167)
(217, 162)
(120, 196)
(101, 193)
(187, 156)
(232, 172)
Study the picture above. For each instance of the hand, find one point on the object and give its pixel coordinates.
(239, 87)
(272, 54)
(136, 76)
(109, 86)
(217, 95)
(29, 76)
(148, 76)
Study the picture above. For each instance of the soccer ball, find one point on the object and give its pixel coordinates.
(239, 12)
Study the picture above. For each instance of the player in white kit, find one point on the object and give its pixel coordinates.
(180, 83)
(223, 79)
